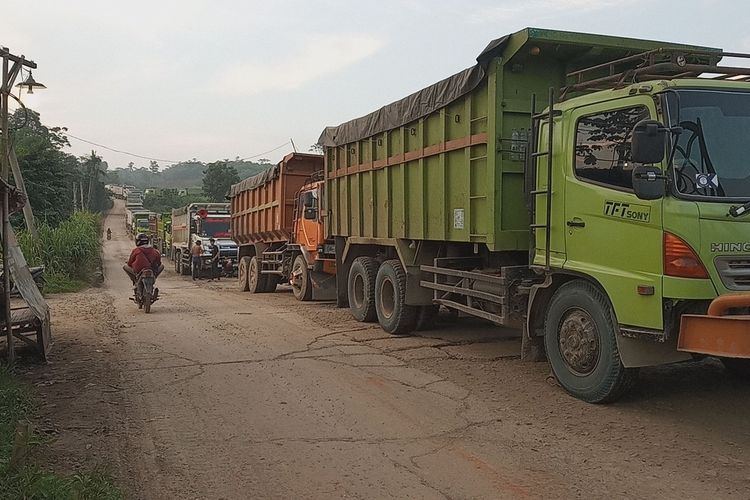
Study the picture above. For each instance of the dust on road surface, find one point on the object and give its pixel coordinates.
(220, 394)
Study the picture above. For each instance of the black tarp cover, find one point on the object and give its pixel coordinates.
(257, 180)
(416, 105)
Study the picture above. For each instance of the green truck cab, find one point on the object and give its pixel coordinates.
(590, 190)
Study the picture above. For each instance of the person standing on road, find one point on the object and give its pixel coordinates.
(196, 252)
(214, 248)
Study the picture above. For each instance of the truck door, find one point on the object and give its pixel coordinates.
(611, 235)
(308, 223)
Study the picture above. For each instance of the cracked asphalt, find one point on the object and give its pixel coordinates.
(222, 395)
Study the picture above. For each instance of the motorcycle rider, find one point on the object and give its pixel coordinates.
(142, 257)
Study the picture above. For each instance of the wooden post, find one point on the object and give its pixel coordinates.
(5, 89)
(28, 214)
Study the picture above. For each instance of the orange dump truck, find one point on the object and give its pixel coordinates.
(278, 222)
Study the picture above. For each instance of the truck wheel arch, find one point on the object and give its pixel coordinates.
(633, 352)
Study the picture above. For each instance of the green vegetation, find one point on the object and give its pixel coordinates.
(184, 174)
(218, 179)
(56, 182)
(29, 482)
(69, 251)
(166, 199)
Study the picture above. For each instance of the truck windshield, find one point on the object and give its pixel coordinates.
(214, 227)
(712, 154)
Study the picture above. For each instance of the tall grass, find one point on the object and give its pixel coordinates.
(70, 251)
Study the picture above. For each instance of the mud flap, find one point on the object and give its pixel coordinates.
(637, 352)
(324, 285)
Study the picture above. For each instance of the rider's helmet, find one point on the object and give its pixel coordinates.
(141, 239)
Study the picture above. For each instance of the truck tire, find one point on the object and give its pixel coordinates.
(426, 317)
(255, 280)
(394, 315)
(579, 337)
(361, 289)
(301, 285)
(242, 274)
(185, 267)
(272, 281)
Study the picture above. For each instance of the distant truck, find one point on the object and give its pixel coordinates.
(201, 222)
(141, 222)
(278, 222)
(163, 238)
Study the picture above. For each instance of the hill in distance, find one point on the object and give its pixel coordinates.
(180, 175)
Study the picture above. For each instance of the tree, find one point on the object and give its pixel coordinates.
(154, 167)
(317, 149)
(217, 179)
(49, 172)
(264, 161)
(92, 170)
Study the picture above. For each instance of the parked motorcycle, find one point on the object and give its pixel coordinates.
(145, 293)
(109, 234)
(37, 274)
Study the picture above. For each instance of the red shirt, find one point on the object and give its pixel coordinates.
(144, 257)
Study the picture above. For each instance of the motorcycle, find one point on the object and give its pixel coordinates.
(144, 292)
(109, 234)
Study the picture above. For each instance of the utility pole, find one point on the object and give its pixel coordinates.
(11, 67)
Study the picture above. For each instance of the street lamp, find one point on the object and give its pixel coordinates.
(30, 84)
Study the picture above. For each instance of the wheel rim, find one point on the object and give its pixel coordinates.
(298, 278)
(243, 274)
(579, 341)
(387, 298)
(252, 275)
(359, 291)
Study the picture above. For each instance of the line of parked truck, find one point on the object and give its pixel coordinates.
(590, 190)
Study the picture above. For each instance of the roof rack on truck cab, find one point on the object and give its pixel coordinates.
(657, 64)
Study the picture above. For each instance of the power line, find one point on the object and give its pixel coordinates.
(119, 150)
(265, 152)
(115, 150)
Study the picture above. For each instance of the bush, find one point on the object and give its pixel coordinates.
(69, 252)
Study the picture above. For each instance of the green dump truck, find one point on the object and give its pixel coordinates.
(591, 190)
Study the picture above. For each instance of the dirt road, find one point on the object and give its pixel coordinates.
(219, 394)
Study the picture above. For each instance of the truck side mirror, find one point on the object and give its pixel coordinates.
(308, 200)
(648, 182)
(649, 141)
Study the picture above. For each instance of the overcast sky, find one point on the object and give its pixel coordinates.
(218, 79)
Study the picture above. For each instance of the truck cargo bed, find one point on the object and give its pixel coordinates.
(262, 206)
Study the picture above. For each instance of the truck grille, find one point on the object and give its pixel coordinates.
(734, 272)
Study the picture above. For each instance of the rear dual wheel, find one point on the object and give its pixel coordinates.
(256, 281)
(361, 289)
(394, 315)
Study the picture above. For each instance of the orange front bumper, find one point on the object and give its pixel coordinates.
(716, 333)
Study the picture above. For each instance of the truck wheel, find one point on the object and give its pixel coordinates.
(300, 279)
(242, 274)
(426, 317)
(256, 281)
(739, 368)
(394, 315)
(272, 281)
(185, 267)
(361, 289)
(579, 337)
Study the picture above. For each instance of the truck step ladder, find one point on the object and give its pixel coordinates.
(532, 175)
